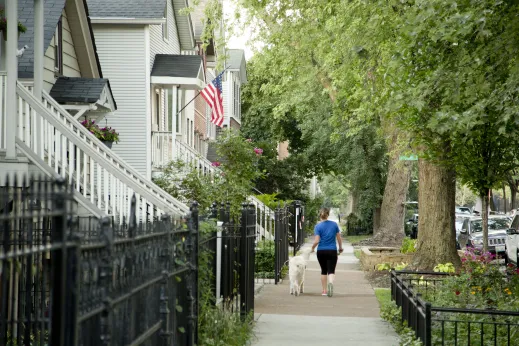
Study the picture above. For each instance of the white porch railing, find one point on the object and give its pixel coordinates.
(191, 156)
(162, 154)
(3, 77)
(161, 148)
(77, 155)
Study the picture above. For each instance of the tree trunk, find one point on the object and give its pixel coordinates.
(436, 224)
(513, 196)
(392, 211)
(485, 197)
(504, 198)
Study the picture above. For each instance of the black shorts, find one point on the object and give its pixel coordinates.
(327, 260)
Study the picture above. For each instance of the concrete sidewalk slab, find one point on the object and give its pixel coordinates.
(352, 315)
(287, 330)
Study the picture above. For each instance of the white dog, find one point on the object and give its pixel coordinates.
(296, 271)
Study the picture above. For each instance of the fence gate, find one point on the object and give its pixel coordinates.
(238, 258)
(68, 282)
(281, 230)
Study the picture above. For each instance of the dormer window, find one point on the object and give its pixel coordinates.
(165, 26)
(58, 49)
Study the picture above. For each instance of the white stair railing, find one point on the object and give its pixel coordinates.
(77, 155)
(190, 156)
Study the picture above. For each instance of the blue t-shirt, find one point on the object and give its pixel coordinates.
(327, 230)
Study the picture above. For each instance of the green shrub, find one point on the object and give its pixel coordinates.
(217, 325)
(408, 245)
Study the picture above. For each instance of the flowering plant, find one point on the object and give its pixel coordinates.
(258, 151)
(106, 133)
(3, 23)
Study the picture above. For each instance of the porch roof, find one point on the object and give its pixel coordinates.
(76, 90)
(138, 9)
(187, 71)
(51, 16)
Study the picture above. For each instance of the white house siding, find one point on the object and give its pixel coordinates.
(157, 44)
(123, 55)
(227, 101)
(70, 63)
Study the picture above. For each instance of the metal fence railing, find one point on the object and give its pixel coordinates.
(414, 293)
(236, 255)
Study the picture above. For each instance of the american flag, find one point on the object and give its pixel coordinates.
(212, 94)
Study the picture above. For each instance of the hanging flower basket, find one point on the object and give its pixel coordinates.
(106, 134)
(3, 25)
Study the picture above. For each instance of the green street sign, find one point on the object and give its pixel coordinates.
(408, 158)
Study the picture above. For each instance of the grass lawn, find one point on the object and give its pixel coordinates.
(383, 296)
(356, 238)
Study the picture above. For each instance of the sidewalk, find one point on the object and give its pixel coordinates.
(350, 317)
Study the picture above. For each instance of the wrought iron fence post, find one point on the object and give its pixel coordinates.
(166, 254)
(277, 247)
(105, 278)
(243, 254)
(4, 204)
(192, 333)
(59, 266)
(73, 269)
(428, 325)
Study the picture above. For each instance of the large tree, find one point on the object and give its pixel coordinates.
(338, 56)
(455, 88)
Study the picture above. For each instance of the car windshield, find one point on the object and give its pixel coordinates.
(463, 211)
(493, 224)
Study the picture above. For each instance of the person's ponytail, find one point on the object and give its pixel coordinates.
(324, 213)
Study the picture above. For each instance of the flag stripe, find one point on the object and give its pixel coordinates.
(212, 94)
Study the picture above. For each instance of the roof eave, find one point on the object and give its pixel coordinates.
(128, 21)
(186, 83)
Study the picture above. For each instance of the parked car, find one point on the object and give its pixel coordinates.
(471, 234)
(463, 210)
(512, 239)
(411, 228)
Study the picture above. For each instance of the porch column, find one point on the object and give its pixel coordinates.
(12, 77)
(39, 53)
(174, 110)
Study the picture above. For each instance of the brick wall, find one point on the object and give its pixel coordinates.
(282, 150)
(234, 124)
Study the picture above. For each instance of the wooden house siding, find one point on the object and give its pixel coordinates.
(123, 54)
(157, 43)
(70, 63)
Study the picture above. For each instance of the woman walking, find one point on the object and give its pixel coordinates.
(327, 233)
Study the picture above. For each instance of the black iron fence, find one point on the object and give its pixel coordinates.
(296, 226)
(67, 280)
(237, 257)
(435, 325)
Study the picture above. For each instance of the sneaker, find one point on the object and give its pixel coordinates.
(324, 293)
(330, 289)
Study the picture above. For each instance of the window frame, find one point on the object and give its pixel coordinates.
(58, 48)
(165, 26)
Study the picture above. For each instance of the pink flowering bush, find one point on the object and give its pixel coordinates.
(258, 151)
(216, 164)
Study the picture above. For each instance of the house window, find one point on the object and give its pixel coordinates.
(157, 110)
(58, 48)
(165, 26)
(236, 93)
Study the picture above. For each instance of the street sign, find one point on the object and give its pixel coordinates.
(408, 158)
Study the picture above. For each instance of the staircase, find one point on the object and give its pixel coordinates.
(60, 146)
(188, 155)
